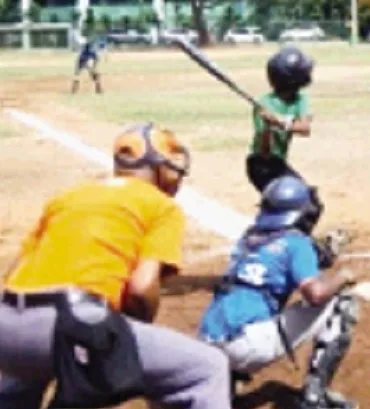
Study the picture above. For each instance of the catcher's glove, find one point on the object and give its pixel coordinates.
(330, 247)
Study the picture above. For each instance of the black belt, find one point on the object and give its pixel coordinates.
(30, 300)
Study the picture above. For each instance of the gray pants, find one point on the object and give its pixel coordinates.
(178, 370)
(261, 343)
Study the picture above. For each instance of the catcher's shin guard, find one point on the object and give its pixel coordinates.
(329, 349)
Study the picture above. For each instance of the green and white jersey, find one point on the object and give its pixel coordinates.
(271, 140)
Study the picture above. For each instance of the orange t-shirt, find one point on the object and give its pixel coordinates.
(93, 236)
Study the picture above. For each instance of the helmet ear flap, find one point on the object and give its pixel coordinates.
(312, 213)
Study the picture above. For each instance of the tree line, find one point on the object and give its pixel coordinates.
(270, 15)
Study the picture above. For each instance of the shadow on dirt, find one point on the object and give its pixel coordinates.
(182, 285)
(276, 394)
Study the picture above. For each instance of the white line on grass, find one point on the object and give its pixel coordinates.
(207, 212)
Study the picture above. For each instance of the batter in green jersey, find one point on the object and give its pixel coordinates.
(286, 113)
(274, 139)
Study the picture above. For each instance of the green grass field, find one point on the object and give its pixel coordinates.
(166, 87)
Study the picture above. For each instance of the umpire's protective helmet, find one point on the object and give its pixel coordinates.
(289, 69)
(287, 203)
(144, 145)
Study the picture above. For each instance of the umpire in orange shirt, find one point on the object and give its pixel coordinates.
(100, 251)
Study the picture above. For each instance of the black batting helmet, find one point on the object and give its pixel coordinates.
(289, 69)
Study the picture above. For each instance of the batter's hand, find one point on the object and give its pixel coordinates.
(273, 119)
(281, 121)
(269, 117)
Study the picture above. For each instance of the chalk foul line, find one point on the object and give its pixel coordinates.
(208, 213)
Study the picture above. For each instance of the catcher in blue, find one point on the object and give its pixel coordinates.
(88, 59)
(248, 317)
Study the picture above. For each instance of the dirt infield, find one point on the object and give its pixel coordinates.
(335, 159)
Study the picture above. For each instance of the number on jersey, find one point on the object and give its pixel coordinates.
(253, 273)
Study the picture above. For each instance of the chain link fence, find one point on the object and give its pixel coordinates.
(41, 35)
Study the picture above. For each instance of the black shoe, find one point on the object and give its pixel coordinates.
(335, 400)
(331, 400)
(312, 405)
(236, 379)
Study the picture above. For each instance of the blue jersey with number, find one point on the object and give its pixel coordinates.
(261, 280)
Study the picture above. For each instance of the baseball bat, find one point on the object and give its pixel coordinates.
(196, 55)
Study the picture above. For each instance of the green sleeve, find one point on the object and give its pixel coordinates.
(258, 127)
(303, 107)
(258, 122)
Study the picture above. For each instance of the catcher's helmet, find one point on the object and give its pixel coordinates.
(286, 203)
(147, 145)
(289, 69)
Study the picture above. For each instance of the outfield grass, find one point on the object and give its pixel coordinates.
(164, 86)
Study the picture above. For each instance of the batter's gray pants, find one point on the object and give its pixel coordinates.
(261, 343)
(178, 370)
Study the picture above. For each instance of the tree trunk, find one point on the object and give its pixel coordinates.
(197, 8)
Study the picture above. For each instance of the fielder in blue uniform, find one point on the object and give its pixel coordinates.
(88, 59)
(248, 318)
